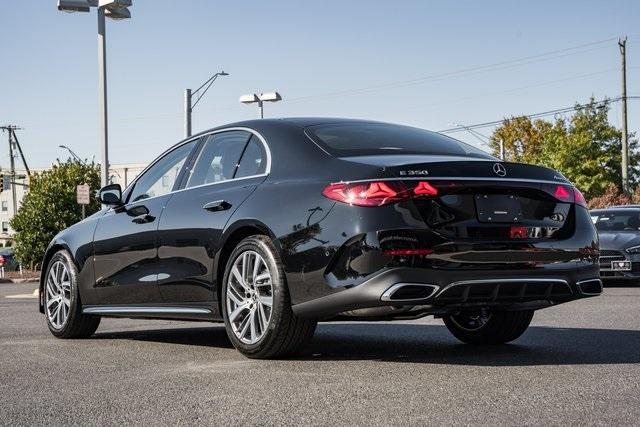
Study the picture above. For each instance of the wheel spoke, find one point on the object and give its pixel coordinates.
(266, 300)
(256, 269)
(237, 311)
(245, 262)
(252, 330)
(263, 318)
(238, 276)
(233, 295)
(244, 326)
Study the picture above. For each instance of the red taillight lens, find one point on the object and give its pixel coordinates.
(562, 193)
(425, 189)
(579, 198)
(376, 193)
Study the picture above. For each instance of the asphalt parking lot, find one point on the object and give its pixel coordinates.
(578, 363)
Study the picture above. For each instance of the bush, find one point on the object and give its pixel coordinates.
(50, 206)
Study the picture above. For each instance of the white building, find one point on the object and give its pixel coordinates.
(121, 174)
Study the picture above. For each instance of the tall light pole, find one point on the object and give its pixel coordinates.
(188, 97)
(114, 9)
(260, 99)
(74, 155)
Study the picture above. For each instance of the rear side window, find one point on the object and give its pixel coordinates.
(363, 139)
(218, 158)
(253, 160)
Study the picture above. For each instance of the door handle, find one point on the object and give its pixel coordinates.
(143, 219)
(218, 205)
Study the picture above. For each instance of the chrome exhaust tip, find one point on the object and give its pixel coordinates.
(401, 292)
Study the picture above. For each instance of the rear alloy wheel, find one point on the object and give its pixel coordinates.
(62, 305)
(486, 327)
(256, 304)
(249, 297)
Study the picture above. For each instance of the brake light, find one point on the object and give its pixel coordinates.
(376, 193)
(579, 198)
(366, 194)
(562, 193)
(517, 232)
(425, 189)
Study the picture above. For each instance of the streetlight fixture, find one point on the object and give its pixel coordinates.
(260, 99)
(117, 10)
(188, 96)
(74, 155)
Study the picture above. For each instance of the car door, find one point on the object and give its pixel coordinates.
(125, 240)
(229, 167)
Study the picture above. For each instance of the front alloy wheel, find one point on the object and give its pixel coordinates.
(62, 305)
(249, 297)
(58, 295)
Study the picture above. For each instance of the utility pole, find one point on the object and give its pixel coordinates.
(102, 78)
(13, 140)
(622, 43)
(13, 173)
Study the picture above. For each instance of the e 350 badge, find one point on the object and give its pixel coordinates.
(420, 172)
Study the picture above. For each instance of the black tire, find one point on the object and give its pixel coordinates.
(77, 325)
(286, 334)
(500, 327)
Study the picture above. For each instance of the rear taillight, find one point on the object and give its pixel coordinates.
(579, 198)
(377, 193)
(567, 193)
(563, 193)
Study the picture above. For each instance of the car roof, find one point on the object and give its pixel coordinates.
(291, 122)
(618, 208)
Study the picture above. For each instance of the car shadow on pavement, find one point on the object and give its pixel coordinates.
(412, 343)
(214, 336)
(539, 345)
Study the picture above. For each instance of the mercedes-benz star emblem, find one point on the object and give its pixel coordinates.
(499, 169)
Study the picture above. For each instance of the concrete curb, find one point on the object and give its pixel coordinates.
(5, 280)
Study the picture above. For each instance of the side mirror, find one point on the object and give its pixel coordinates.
(110, 195)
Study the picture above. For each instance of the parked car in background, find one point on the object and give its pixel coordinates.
(619, 230)
(8, 259)
(272, 225)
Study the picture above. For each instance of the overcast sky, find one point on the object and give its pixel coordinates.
(414, 62)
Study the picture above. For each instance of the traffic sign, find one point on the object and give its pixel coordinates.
(83, 194)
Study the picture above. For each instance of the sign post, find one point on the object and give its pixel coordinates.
(83, 197)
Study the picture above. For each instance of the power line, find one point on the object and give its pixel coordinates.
(463, 72)
(599, 104)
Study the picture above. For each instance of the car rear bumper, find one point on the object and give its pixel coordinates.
(414, 290)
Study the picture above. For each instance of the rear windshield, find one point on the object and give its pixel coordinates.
(627, 220)
(364, 139)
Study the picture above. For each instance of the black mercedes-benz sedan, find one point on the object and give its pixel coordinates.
(273, 225)
(619, 231)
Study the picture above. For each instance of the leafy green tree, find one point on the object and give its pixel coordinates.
(522, 137)
(51, 206)
(585, 147)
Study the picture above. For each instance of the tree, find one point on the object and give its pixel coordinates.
(612, 196)
(523, 139)
(585, 148)
(50, 206)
